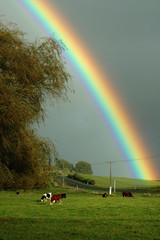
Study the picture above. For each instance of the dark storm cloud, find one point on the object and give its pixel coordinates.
(124, 37)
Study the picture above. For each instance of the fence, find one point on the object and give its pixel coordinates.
(73, 183)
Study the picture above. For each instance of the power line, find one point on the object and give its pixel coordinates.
(130, 160)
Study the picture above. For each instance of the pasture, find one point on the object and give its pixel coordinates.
(125, 183)
(80, 216)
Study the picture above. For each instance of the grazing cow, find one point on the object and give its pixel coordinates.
(57, 197)
(127, 194)
(49, 195)
(104, 195)
(46, 196)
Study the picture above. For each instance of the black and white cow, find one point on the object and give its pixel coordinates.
(46, 196)
(49, 195)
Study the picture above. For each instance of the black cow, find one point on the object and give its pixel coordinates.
(104, 195)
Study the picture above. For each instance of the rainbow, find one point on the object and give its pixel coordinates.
(50, 21)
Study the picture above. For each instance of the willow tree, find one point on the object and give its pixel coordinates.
(29, 74)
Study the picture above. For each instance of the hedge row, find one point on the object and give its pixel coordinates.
(79, 178)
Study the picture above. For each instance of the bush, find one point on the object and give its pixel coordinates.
(79, 178)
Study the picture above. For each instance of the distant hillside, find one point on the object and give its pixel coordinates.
(121, 183)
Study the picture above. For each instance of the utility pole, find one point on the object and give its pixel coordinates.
(110, 163)
(110, 188)
(114, 185)
(63, 175)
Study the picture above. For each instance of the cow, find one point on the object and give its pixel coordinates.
(104, 195)
(57, 197)
(49, 195)
(127, 194)
(46, 196)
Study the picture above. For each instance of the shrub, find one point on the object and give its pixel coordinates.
(79, 178)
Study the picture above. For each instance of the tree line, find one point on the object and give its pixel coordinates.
(80, 167)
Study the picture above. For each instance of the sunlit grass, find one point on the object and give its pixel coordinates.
(121, 183)
(81, 216)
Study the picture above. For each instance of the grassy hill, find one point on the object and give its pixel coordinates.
(131, 183)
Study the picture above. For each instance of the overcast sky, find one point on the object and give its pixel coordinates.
(124, 36)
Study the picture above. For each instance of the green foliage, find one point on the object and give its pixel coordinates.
(81, 216)
(29, 73)
(62, 164)
(83, 167)
(80, 178)
(6, 178)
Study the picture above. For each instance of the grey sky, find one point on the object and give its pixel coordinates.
(124, 36)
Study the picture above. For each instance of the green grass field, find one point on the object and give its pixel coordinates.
(124, 183)
(80, 216)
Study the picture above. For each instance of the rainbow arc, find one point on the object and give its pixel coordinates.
(104, 94)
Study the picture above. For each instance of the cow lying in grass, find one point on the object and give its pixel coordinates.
(46, 196)
(57, 197)
(127, 194)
